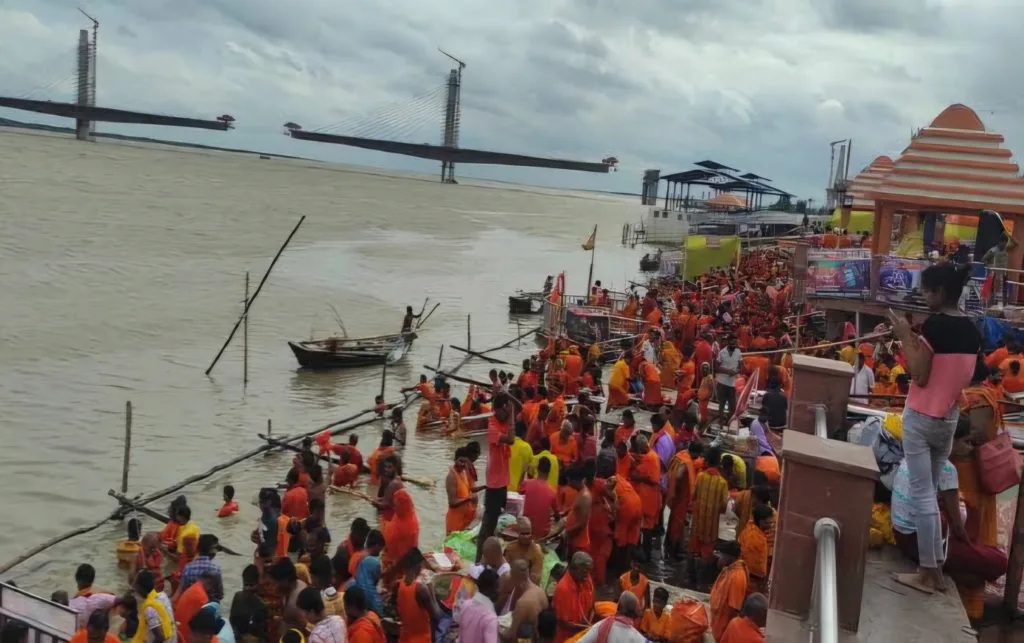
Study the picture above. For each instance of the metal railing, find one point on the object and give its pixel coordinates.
(825, 608)
(820, 422)
(46, 621)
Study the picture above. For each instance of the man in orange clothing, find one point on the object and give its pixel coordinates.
(651, 377)
(753, 542)
(565, 446)
(295, 503)
(577, 532)
(646, 479)
(729, 590)
(201, 592)
(710, 497)
(364, 626)
(618, 382)
(573, 601)
(746, 628)
(628, 519)
(573, 371)
(599, 526)
(682, 476)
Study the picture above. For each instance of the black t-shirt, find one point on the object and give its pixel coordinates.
(950, 334)
(776, 404)
(248, 614)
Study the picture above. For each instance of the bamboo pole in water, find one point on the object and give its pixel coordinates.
(245, 338)
(469, 333)
(127, 445)
(492, 360)
(248, 303)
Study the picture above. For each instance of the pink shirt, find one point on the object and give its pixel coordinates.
(86, 605)
(498, 454)
(478, 622)
(954, 342)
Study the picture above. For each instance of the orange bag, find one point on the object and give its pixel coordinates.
(688, 622)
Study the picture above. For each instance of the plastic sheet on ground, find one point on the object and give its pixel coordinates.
(463, 543)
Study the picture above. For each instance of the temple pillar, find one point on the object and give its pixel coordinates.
(1015, 260)
(823, 479)
(882, 232)
(818, 382)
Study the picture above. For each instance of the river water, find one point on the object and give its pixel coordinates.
(122, 270)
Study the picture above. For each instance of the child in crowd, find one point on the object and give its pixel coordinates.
(655, 623)
(230, 506)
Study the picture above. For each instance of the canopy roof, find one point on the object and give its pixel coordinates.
(954, 164)
(718, 177)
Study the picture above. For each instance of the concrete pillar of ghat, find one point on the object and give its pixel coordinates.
(818, 381)
(83, 128)
(822, 479)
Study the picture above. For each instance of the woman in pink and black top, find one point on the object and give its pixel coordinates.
(941, 361)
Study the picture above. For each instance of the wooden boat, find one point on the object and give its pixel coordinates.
(350, 352)
(650, 263)
(525, 303)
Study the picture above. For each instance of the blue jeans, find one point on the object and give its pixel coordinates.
(926, 444)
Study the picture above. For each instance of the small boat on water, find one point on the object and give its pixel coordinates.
(525, 303)
(650, 263)
(529, 303)
(350, 352)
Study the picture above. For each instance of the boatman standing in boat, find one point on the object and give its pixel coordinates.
(409, 317)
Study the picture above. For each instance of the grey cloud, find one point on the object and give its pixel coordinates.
(658, 83)
(915, 16)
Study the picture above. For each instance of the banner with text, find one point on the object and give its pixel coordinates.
(839, 273)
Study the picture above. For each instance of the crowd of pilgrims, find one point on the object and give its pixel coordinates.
(610, 501)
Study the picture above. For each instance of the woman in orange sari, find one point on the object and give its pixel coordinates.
(386, 448)
(670, 361)
(980, 406)
(402, 532)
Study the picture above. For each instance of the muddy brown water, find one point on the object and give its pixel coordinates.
(122, 270)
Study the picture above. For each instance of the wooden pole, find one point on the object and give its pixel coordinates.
(439, 354)
(469, 332)
(127, 445)
(270, 429)
(248, 303)
(245, 336)
(383, 378)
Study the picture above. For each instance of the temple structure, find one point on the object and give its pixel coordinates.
(951, 171)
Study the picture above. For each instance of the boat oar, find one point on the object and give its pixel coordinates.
(424, 320)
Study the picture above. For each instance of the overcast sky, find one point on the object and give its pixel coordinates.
(761, 85)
